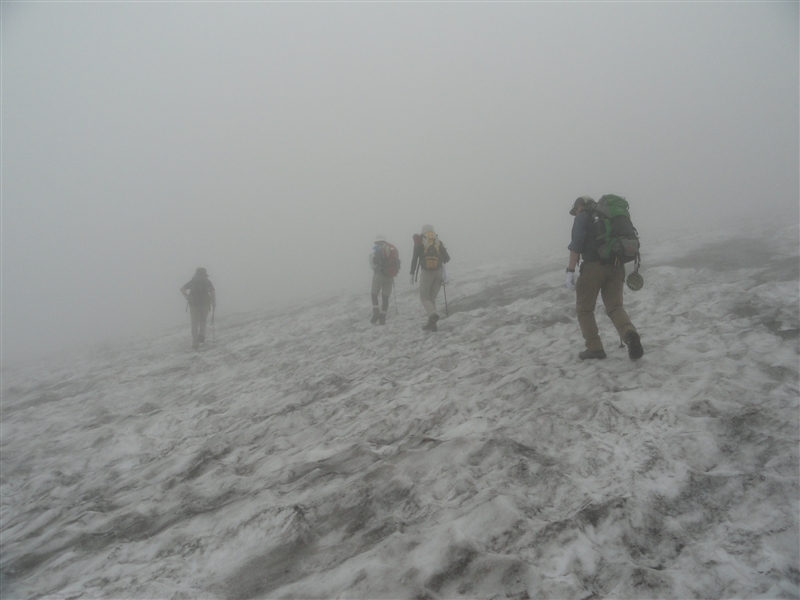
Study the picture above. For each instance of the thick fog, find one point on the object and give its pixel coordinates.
(269, 142)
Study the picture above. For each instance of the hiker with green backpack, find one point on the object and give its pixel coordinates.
(605, 239)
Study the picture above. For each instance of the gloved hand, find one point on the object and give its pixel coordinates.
(445, 278)
(412, 279)
(571, 281)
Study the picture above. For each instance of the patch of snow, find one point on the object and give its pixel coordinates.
(308, 453)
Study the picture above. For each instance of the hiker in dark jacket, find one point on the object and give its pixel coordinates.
(385, 263)
(201, 297)
(430, 256)
(596, 277)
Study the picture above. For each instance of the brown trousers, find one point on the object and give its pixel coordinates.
(606, 280)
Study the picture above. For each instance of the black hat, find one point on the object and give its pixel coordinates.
(580, 201)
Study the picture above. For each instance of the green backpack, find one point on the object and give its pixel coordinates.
(617, 238)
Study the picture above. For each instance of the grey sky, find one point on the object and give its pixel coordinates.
(269, 142)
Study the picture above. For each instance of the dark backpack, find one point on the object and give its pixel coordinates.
(199, 291)
(617, 238)
(390, 263)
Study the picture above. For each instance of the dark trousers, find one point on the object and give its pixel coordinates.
(199, 316)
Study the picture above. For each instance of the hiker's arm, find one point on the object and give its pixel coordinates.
(445, 255)
(578, 237)
(574, 257)
(213, 298)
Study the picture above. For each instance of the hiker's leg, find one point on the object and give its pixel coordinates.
(426, 295)
(586, 289)
(436, 285)
(376, 288)
(384, 307)
(194, 313)
(611, 293)
(376, 312)
(201, 332)
(386, 286)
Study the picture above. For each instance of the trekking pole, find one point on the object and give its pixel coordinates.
(213, 336)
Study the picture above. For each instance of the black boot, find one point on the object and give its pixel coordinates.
(376, 314)
(588, 354)
(431, 324)
(635, 350)
(382, 319)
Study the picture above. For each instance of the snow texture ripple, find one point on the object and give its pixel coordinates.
(306, 453)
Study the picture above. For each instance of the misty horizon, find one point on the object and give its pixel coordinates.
(270, 142)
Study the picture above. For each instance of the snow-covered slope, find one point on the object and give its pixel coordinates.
(308, 454)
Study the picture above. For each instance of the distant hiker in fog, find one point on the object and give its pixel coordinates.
(199, 293)
(601, 272)
(385, 263)
(430, 256)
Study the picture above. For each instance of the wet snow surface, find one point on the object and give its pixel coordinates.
(308, 454)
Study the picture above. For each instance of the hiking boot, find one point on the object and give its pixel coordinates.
(431, 324)
(375, 315)
(592, 354)
(635, 349)
(382, 319)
